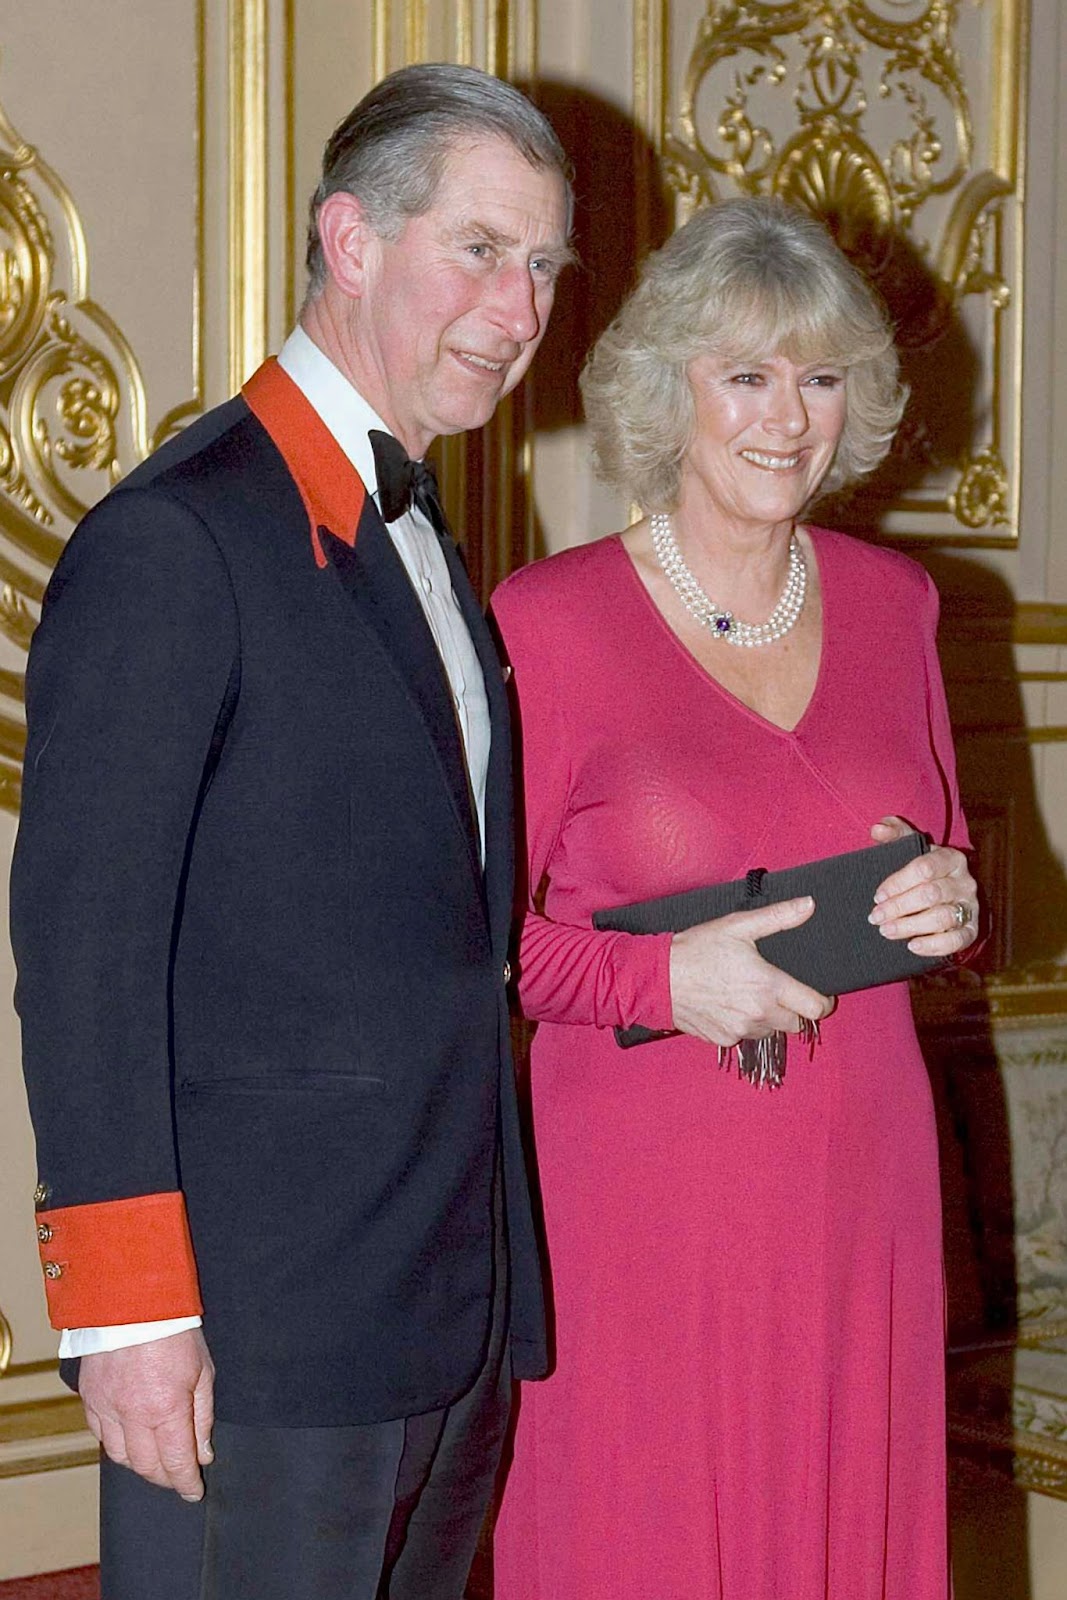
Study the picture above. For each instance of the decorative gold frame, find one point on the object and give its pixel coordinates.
(880, 193)
(248, 177)
(45, 1436)
(73, 410)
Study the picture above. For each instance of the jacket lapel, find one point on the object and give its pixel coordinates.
(348, 535)
(373, 576)
(499, 833)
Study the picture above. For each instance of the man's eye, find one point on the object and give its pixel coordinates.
(478, 249)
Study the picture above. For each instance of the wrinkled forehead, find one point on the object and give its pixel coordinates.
(486, 169)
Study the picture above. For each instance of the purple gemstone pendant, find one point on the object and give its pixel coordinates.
(722, 624)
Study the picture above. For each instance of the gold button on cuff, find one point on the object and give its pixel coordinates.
(44, 1233)
(506, 972)
(52, 1269)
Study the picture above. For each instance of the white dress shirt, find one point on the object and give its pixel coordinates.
(350, 419)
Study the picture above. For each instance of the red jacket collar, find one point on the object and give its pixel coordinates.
(332, 490)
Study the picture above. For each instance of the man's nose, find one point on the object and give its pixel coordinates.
(515, 303)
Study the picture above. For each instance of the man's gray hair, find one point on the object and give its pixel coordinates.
(390, 151)
(744, 279)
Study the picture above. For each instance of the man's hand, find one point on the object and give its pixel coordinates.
(151, 1406)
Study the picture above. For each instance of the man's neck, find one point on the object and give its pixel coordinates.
(328, 326)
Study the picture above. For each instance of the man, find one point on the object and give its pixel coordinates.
(260, 906)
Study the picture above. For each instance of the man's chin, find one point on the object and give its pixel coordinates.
(472, 414)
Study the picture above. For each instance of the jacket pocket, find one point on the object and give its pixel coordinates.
(281, 1083)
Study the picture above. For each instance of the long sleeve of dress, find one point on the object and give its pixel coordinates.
(567, 973)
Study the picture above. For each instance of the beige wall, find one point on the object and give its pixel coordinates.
(186, 139)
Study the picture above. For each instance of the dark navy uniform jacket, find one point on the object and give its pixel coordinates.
(261, 973)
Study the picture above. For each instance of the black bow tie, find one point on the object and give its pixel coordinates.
(403, 482)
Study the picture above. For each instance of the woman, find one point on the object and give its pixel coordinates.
(747, 1402)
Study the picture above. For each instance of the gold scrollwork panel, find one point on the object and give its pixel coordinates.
(72, 405)
(897, 122)
(73, 412)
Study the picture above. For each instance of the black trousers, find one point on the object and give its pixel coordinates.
(388, 1511)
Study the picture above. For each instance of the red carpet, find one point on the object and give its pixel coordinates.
(81, 1583)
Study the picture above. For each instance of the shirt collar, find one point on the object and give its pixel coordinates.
(329, 485)
(342, 408)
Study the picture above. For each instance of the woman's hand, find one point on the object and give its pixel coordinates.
(722, 990)
(932, 902)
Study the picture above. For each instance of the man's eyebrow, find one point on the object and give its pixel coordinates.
(560, 254)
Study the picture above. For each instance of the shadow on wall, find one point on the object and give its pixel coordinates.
(622, 209)
(996, 1257)
(937, 362)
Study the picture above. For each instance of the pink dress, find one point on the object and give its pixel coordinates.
(747, 1401)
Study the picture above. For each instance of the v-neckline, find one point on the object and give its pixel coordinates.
(709, 677)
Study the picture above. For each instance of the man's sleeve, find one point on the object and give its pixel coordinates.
(120, 1336)
(127, 675)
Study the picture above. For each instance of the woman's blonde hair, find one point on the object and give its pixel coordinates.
(744, 279)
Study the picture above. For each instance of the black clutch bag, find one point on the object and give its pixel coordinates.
(835, 951)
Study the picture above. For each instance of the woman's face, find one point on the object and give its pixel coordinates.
(764, 437)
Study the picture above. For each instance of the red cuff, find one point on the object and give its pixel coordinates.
(118, 1261)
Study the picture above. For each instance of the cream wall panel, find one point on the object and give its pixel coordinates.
(1047, 1548)
(1041, 571)
(123, 139)
(333, 66)
(587, 65)
(48, 1522)
(1048, 149)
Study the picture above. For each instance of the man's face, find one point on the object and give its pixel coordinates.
(453, 308)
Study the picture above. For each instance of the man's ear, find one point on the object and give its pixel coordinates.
(346, 239)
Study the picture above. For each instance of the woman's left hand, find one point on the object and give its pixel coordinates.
(932, 902)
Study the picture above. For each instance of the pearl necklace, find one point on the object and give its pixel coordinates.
(723, 624)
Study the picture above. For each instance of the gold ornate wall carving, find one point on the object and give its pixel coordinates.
(73, 411)
(72, 403)
(897, 121)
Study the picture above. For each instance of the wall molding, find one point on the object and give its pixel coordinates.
(45, 1436)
